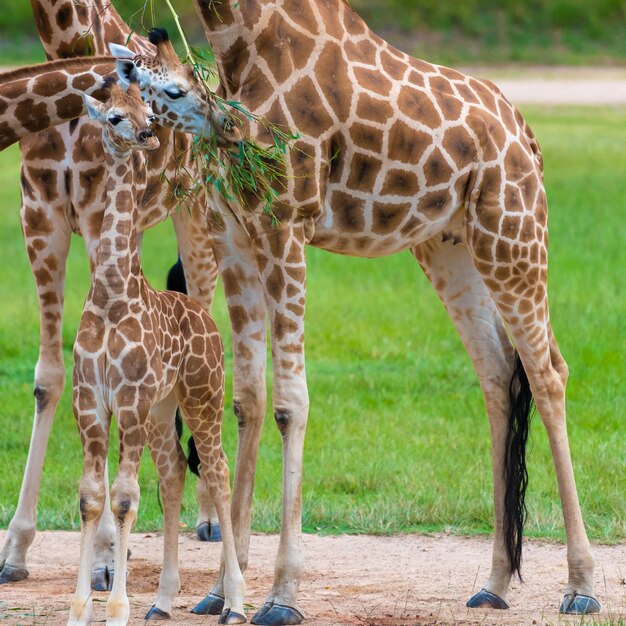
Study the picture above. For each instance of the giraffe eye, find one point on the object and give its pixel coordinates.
(152, 119)
(114, 120)
(174, 94)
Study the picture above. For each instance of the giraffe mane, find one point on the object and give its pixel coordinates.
(51, 66)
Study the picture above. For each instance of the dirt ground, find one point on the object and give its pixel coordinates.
(350, 580)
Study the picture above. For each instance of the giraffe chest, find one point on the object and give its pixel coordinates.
(127, 354)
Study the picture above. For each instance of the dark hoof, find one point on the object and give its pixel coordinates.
(577, 604)
(271, 614)
(12, 574)
(209, 532)
(211, 605)
(156, 614)
(486, 600)
(102, 579)
(230, 617)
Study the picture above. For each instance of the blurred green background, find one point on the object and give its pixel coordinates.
(397, 437)
(444, 31)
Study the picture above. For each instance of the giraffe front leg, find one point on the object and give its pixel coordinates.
(93, 425)
(103, 568)
(246, 308)
(92, 501)
(171, 466)
(285, 298)
(47, 243)
(125, 503)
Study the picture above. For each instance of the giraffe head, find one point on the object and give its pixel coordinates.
(180, 100)
(125, 118)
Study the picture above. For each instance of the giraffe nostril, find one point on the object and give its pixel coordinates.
(145, 134)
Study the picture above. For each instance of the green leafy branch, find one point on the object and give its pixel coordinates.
(250, 170)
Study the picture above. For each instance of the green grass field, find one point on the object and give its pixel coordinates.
(398, 439)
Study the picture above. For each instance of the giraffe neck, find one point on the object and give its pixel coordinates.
(226, 23)
(118, 266)
(63, 26)
(239, 30)
(37, 97)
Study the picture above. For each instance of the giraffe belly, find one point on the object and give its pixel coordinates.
(377, 230)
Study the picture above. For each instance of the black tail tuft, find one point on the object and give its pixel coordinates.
(178, 424)
(193, 460)
(515, 472)
(176, 278)
(157, 36)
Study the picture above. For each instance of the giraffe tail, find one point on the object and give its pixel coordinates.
(193, 460)
(176, 278)
(178, 425)
(515, 472)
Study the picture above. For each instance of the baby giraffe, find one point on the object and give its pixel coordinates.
(138, 352)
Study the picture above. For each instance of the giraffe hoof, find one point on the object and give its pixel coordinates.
(211, 605)
(102, 579)
(486, 600)
(209, 532)
(12, 574)
(271, 614)
(578, 604)
(156, 614)
(230, 617)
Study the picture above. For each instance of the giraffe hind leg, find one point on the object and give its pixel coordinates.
(462, 290)
(170, 462)
(204, 419)
(509, 249)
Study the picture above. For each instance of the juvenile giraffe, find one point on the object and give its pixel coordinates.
(395, 153)
(136, 349)
(62, 182)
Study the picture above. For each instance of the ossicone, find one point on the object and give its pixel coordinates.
(157, 36)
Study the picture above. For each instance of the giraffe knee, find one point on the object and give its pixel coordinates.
(92, 497)
(286, 420)
(49, 384)
(249, 408)
(125, 507)
(125, 501)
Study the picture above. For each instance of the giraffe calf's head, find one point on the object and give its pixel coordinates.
(179, 98)
(126, 119)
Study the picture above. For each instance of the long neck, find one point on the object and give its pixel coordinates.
(37, 97)
(226, 24)
(118, 267)
(241, 32)
(81, 27)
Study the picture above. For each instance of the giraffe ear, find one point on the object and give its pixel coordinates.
(121, 52)
(94, 108)
(129, 73)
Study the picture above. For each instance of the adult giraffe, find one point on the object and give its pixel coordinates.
(395, 153)
(63, 186)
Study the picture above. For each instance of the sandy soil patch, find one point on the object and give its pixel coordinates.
(350, 580)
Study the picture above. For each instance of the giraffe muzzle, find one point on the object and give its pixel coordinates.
(148, 140)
